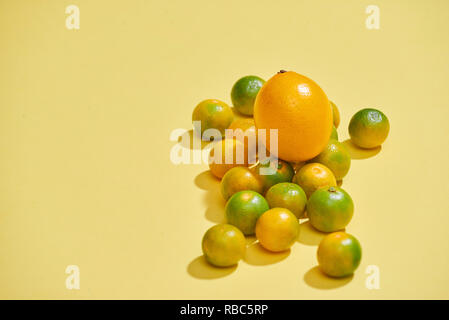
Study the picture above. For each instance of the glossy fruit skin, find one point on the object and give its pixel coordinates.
(369, 128)
(229, 148)
(287, 195)
(244, 92)
(339, 254)
(213, 114)
(239, 179)
(299, 109)
(248, 136)
(223, 245)
(334, 134)
(244, 208)
(284, 173)
(336, 157)
(314, 176)
(330, 209)
(277, 229)
(335, 114)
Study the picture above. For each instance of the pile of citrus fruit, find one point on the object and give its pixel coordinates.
(311, 164)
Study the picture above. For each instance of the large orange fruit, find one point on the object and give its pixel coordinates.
(299, 109)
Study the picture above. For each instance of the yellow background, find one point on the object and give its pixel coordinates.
(86, 115)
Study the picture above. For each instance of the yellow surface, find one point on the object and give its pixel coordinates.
(85, 122)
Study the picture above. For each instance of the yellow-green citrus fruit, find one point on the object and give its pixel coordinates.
(277, 229)
(287, 195)
(330, 209)
(244, 93)
(336, 157)
(244, 208)
(314, 176)
(225, 155)
(334, 134)
(335, 114)
(283, 173)
(248, 136)
(213, 114)
(339, 254)
(223, 245)
(239, 179)
(369, 128)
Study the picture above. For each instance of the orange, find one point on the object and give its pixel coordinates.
(277, 229)
(225, 155)
(239, 179)
(299, 109)
(314, 176)
(213, 114)
(223, 245)
(335, 114)
(248, 135)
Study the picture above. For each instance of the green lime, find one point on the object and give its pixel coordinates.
(289, 196)
(244, 93)
(330, 209)
(369, 128)
(244, 208)
(336, 157)
(339, 254)
(284, 173)
(223, 245)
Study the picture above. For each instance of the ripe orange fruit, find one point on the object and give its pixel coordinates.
(299, 109)
(277, 229)
(314, 176)
(223, 245)
(225, 155)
